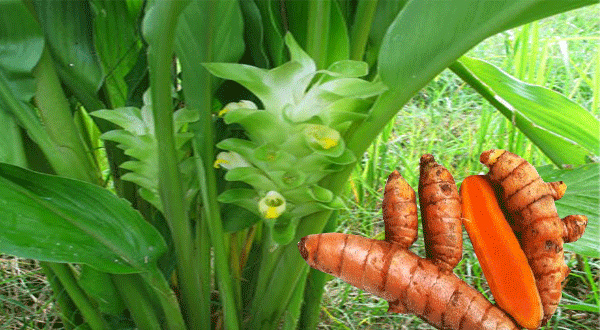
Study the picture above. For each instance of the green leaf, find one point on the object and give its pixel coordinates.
(582, 197)
(208, 31)
(254, 33)
(21, 47)
(354, 87)
(100, 287)
(385, 13)
(338, 45)
(56, 219)
(236, 218)
(251, 176)
(118, 45)
(68, 29)
(284, 229)
(347, 69)
(562, 129)
(274, 30)
(246, 198)
(414, 50)
(260, 125)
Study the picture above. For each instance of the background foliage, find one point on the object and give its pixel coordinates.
(354, 107)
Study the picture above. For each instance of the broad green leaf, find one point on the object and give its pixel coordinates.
(254, 33)
(100, 287)
(338, 45)
(208, 31)
(21, 47)
(273, 30)
(118, 45)
(567, 133)
(334, 43)
(55, 219)
(385, 13)
(414, 50)
(582, 197)
(68, 29)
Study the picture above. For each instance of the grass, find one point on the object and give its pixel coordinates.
(447, 119)
(452, 122)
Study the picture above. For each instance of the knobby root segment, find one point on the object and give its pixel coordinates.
(440, 214)
(410, 283)
(503, 262)
(530, 209)
(399, 210)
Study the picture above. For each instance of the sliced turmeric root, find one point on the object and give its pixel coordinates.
(503, 262)
(529, 203)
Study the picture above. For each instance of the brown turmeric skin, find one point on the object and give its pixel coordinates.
(530, 209)
(440, 214)
(399, 210)
(410, 283)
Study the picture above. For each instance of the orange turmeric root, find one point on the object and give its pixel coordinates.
(410, 283)
(503, 262)
(529, 203)
(399, 210)
(440, 214)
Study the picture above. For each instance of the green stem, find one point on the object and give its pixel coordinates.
(66, 305)
(203, 249)
(270, 253)
(58, 123)
(208, 187)
(91, 314)
(359, 33)
(167, 300)
(159, 28)
(318, 30)
(137, 301)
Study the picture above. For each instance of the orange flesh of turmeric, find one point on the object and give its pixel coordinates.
(502, 260)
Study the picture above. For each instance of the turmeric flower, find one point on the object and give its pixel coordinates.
(272, 205)
(229, 160)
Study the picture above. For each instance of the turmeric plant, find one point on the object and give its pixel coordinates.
(411, 284)
(320, 100)
(503, 262)
(529, 205)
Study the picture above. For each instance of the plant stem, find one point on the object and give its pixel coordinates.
(67, 306)
(203, 254)
(159, 29)
(58, 122)
(318, 30)
(91, 314)
(167, 299)
(359, 32)
(136, 301)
